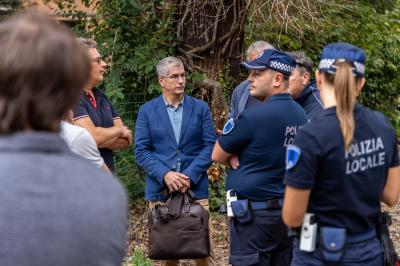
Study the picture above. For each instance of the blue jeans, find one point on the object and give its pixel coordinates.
(262, 241)
(365, 253)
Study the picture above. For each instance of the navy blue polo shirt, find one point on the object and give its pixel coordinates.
(102, 116)
(346, 187)
(259, 138)
(310, 100)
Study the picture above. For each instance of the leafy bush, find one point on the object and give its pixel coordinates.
(135, 34)
(139, 259)
(375, 28)
(217, 194)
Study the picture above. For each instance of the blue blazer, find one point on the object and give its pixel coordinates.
(156, 149)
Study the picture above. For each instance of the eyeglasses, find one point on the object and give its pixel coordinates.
(98, 60)
(176, 77)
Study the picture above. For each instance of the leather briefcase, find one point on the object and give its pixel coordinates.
(178, 229)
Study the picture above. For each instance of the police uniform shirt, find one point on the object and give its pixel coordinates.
(259, 138)
(346, 187)
(103, 115)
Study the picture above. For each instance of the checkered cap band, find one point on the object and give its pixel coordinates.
(360, 68)
(327, 65)
(279, 66)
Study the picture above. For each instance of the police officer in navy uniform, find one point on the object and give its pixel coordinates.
(254, 146)
(340, 167)
(302, 87)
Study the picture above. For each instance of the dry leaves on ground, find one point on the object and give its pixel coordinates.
(137, 234)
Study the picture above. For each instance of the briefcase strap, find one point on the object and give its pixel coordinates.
(174, 205)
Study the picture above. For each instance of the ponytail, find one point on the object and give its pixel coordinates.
(345, 93)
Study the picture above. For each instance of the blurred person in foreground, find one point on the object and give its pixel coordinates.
(81, 142)
(55, 208)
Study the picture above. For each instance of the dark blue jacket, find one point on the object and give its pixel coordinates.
(157, 152)
(241, 99)
(310, 100)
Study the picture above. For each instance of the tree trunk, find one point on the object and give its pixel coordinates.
(211, 33)
(211, 37)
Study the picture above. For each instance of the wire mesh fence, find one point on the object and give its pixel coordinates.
(130, 174)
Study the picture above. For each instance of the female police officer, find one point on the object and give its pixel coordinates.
(340, 167)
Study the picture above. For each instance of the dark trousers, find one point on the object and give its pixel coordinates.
(365, 253)
(262, 241)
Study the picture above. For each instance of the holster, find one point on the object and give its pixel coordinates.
(333, 241)
(389, 252)
(242, 211)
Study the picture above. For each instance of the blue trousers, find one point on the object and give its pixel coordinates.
(263, 241)
(365, 253)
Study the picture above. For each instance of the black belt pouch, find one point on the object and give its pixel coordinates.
(242, 211)
(333, 241)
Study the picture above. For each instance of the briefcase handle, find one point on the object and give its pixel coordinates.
(178, 202)
(186, 206)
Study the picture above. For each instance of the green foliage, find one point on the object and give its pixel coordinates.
(139, 259)
(8, 7)
(134, 35)
(217, 194)
(226, 81)
(366, 24)
(130, 174)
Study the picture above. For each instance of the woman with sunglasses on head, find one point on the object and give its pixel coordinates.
(339, 168)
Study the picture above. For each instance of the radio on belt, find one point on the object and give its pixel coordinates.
(308, 235)
(230, 197)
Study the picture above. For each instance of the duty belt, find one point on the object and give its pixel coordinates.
(272, 204)
(350, 239)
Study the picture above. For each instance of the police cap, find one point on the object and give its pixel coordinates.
(342, 52)
(272, 59)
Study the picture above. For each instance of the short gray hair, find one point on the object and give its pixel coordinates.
(87, 42)
(163, 65)
(302, 60)
(258, 46)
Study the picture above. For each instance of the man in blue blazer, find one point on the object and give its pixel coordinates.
(174, 138)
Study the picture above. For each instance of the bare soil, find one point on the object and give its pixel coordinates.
(137, 235)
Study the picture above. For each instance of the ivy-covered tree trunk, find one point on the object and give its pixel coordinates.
(211, 35)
